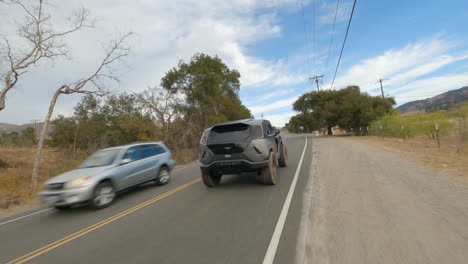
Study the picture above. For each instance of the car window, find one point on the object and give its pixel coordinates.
(100, 158)
(229, 133)
(270, 129)
(267, 129)
(256, 132)
(134, 153)
(157, 149)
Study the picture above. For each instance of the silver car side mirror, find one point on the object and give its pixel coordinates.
(125, 161)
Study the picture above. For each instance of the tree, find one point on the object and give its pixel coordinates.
(92, 84)
(42, 42)
(347, 108)
(210, 91)
(162, 104)
(28, 136)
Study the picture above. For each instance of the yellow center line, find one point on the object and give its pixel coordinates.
(93, 227)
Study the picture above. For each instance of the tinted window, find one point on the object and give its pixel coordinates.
(267, 129)
(156, 150)
(256, 132)
(136, 153)
(229, 133)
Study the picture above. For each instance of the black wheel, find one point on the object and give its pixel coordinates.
(164, 176)
(283, 160)
(103, 195)
(268, 174)
(62, 207)
(210, 179)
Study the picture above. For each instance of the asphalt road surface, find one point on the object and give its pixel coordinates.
(182, 222)
(338, 201)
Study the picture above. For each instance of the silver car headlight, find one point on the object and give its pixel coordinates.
(78, 182)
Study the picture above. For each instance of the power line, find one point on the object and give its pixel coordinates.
(344, 42)
(315, 39)
(306, 38)
(332, 36)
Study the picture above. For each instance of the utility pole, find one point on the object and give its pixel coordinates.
(35, 129)
(316, 81)
(381, 87)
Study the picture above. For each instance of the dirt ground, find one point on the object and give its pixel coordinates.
(425, 151)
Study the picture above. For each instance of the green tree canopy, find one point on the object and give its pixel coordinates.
(210, 89)
(347, 108)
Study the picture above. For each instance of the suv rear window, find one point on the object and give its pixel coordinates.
(229, 133)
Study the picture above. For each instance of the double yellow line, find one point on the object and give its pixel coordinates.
(104, 222)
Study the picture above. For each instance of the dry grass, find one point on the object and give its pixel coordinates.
(425, 151)
(15, 179)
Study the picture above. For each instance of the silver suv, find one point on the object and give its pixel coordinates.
(97, 180)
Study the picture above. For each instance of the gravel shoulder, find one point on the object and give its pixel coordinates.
(372, 205)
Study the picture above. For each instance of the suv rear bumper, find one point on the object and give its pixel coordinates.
(233, 166)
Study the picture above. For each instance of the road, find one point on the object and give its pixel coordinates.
(338, 201)
(231, 223)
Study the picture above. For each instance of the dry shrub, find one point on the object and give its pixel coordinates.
(15, 181)
(184, 156)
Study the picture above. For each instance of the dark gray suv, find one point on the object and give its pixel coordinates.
(250, 145)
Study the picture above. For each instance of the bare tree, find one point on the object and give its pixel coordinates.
(92, 84)
(42, 41)
(162, 104)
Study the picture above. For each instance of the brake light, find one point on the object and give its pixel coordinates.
(204, 137)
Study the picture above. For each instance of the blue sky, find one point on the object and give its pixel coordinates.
(418, 46)
(427, 33)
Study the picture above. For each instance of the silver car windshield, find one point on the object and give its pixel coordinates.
(100, 158)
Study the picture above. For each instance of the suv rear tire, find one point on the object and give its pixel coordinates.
(210, 179)
(283, 160)
(268, 174)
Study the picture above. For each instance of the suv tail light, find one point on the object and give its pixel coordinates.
(204, 137)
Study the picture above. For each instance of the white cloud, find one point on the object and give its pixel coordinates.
(258, 109)
(167, 31)
(344, 10)
(400, 66)
(279, 120)
(430, 87)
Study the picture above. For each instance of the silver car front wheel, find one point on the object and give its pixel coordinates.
(103, 195)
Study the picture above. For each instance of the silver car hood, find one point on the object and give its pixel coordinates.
(76, 173)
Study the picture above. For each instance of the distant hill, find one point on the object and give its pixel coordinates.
(439, 102)
(8, 128)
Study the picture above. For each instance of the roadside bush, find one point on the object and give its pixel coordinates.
(4, 164)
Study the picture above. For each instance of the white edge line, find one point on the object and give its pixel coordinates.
(273, 246)
(24, 216)
(306, 212)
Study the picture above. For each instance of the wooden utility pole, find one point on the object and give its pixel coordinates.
(316, 81)
(381, 86)
(36, 133)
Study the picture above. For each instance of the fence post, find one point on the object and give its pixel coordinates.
(437, 134)
(403, 132)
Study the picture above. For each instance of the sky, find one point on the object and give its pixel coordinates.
(418, 47)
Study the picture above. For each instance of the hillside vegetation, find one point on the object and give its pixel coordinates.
(444, 101)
